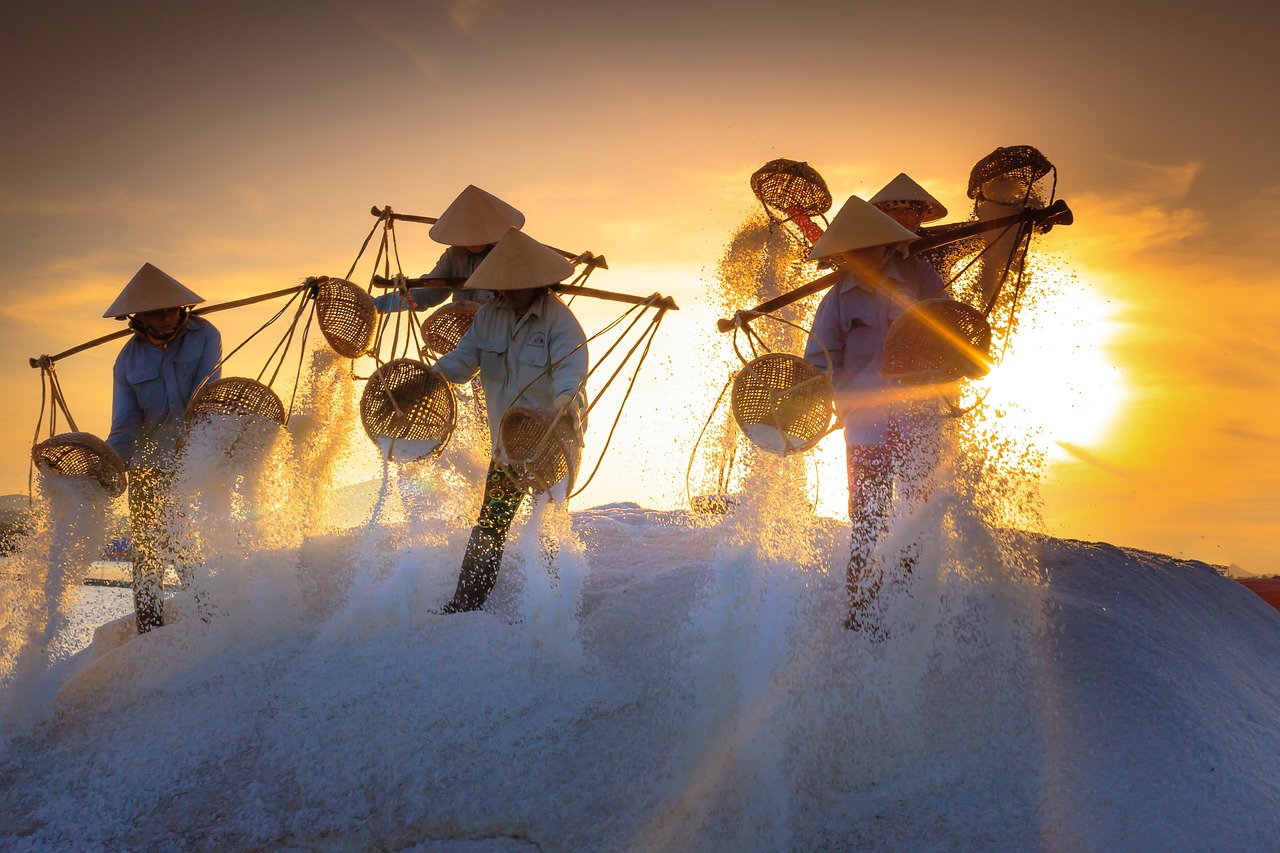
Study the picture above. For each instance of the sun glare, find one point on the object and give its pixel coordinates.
(1055, 382)
(1054, 385)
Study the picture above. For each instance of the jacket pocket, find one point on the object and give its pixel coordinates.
(862, 346)
(142, 373)
(148, 388)
(492, 362)
(532, 356)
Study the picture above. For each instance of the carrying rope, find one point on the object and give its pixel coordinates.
(405, 335)
(305, 291)
(725, 474)
(51, 396)
(726, 468)
(646, 337)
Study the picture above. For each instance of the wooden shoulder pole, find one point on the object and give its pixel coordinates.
(208, 309)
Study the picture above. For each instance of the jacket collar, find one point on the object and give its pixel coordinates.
(890, 272)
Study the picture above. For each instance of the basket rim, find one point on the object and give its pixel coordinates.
(553, 426)
(112, 473)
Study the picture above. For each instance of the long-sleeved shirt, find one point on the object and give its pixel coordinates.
(152, 387)
(851, 323)
(455, 262)
(522, 361)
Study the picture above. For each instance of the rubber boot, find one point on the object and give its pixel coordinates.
(479, 571)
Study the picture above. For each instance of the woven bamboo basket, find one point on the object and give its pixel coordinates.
(937, 341)
(405, 400)
(782, 403)
(446, 326)
(347, 317)
(539, 455)
(791, 188)
(235, 397)
(82, 455)
(1012, 176)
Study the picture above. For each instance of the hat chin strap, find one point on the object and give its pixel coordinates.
(157, 338)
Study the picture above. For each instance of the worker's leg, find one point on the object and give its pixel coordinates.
(870, 493)
(149, 495)
(480, 564)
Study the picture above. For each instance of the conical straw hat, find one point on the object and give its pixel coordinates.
(902, 188)
(518, 262)
(858, 225)
(475, 218)
(151, 289)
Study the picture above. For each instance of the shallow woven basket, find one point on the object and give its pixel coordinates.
(347, 317)
(406, 399)
(446, 326)
(235, 396)
(538, 460)
(782, 403)
(81, 454)
(938, 340)
(791, 188)
(1018, 168)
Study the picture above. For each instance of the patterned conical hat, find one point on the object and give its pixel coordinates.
(858, 225)
(151, 289)
(475, 218)
(518, 262)
(902, 188)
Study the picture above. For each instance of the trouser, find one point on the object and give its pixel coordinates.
(150, 500)
(502, 498)
(870, 497)
(915, 441)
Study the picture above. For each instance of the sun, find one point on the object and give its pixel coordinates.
(1055, 382)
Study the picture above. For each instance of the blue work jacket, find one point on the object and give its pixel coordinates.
(152, 387)
(850, 326)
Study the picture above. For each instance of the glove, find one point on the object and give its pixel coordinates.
(563, 400)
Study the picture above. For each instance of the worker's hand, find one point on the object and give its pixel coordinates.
(565, 408)
(402, 286)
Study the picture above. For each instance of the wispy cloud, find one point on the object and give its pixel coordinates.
(1237, 429)
(466, 13)
(406, 30)
(37, 296)
(1142, 209)
(1158, 180)
(253, 199)
(402, 39)
(116, 201)
(567, 192)
(1115, 227)
(1093, 460)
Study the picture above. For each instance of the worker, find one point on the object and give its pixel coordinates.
(529, 350)
(877, 283)
(156, 374)
(469, 226)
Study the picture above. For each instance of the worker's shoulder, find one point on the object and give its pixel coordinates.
(201, 327)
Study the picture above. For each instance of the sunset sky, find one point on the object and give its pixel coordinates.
(240, 145)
